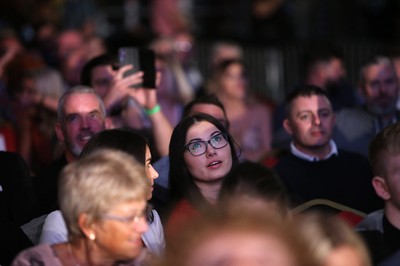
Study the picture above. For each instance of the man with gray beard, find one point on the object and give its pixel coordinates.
(81, 114)
(379, 87)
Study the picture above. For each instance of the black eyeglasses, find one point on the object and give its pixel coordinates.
(199, 147)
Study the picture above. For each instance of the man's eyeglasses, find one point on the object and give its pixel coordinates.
(199, 147)
(145, 214)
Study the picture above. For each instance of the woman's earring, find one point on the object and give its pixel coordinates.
(92, 236)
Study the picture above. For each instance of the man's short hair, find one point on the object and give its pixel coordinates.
(205, 99)
(101, 60)
(386, 143)
(303, 91)
(77, 90)
(320, 53)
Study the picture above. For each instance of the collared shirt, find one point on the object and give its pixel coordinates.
(296, 152)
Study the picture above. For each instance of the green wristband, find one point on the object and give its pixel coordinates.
(153, 110)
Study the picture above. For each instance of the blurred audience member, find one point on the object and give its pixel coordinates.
(94, 46)
(220, 51)
(239, 237)
(71, 55)
(103, 200)
(325, 68)
(254, 187)
(207, 104)
(180, 77)
(270, 22)
(15, 60)
(36, 99)
(225, 50)
(332, 241)
(170, 16)
(381, 229)
(379, 85)
(250, 120)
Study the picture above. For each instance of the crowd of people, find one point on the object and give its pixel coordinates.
(198, 170)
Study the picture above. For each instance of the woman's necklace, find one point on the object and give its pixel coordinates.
(73, 259)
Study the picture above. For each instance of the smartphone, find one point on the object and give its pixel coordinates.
(142, 60)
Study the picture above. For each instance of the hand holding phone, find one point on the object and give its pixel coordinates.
(142, 60)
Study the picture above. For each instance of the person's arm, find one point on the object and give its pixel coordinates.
(161, 127)
(185, 90)
(162, 131)
(11, 50)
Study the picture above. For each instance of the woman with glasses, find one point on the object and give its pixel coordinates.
(54, 229)
(201, 153)
(103, 198)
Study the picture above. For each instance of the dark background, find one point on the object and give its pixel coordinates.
(273, 41)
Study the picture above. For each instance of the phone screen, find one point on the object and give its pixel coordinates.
(141, 59)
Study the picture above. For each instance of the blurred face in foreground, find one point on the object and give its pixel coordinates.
(344, 256)
(241, 248)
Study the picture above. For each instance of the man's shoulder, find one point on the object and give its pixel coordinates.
(352, 113)
(289, 164)
(349, 116)
(354, 129)
(353, 157)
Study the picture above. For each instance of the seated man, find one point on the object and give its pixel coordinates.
(379, 86)
(315, 168)
(81, 114)
(381, 229)
(324, 67)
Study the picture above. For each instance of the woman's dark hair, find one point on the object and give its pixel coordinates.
(126, 140)
(181, 182)
(255, 180)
